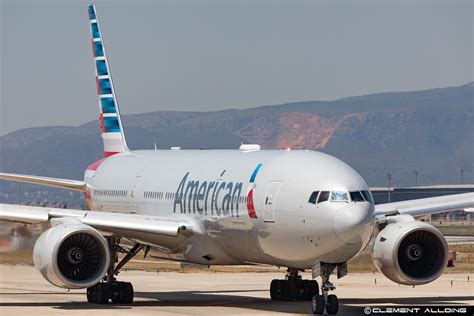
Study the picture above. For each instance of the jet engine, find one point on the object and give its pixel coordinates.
(410, 252)
(72, 255)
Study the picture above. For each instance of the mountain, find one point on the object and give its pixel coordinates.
(431, 131)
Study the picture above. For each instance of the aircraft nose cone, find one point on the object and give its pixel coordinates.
(353, 221)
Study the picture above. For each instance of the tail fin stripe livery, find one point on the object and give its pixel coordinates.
(104, 85)
(101, 67)
(92, 12)
(95, 30)
(97, 85)
(110, 122)
(101, 120)
(108, 105)
(98, 49)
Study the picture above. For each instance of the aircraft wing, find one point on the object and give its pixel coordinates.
(105, 221)
(420, 207)
(54, 182)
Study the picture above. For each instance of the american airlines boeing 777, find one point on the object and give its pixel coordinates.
(299, 209)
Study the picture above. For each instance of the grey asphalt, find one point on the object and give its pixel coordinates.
(24, 292)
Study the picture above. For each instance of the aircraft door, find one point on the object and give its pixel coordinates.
(134, 196)
(270, 200)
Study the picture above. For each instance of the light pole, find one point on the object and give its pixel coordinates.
(389, 176)
(462, 175)
(416, 178)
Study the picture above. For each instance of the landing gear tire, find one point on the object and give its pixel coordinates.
(325, 301)
(128, 298)
(275, 294)
(293, 288)
(279, 290)
(91, 294)
(102, 294)
(311, 288)
(318, 304)
(332, 304)
(98, 294)
(118, 292)
(122, 293)
(110, 288)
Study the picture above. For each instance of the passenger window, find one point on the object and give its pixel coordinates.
(357, 197)
(339, 196)
(323, 196)
(313, 198)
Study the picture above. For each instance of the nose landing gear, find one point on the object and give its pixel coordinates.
(325, 300)
(293, 288)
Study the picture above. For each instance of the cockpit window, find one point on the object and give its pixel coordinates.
(357, 196)
(323, 196)
(368, 197)
(313, 197)
(339, 196)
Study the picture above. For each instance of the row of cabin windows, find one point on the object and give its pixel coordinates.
(158, 195)
(170, 195)
(153, 195)
(111, 192)
(340, 196)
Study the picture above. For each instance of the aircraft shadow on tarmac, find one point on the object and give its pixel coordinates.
(231, 300)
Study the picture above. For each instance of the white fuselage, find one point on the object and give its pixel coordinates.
(240, 212)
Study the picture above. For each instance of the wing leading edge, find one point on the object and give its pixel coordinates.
(105, 221)
(426, 206)
(52, 182)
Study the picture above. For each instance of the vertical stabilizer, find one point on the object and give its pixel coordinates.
(110, 122)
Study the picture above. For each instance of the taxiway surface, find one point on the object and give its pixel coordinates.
(23, 291)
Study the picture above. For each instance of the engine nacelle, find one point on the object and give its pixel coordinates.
(72, 255)
(410, 252)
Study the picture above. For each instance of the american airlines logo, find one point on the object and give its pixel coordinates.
(208, 197)
(218, 197)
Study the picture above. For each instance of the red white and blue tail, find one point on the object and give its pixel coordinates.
(110, 122)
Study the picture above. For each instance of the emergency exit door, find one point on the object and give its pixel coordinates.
(270, 201)
(134, 195)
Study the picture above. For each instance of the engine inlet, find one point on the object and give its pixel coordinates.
(420, 254)
(79, 257)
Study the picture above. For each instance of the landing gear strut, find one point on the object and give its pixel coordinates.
(325, 300)
(293, 288)
(109, 288)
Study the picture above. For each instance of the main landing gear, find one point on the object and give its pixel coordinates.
(109, 289)
(293, 288)
(325, 300)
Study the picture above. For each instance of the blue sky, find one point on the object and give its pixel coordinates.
(212, 55)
